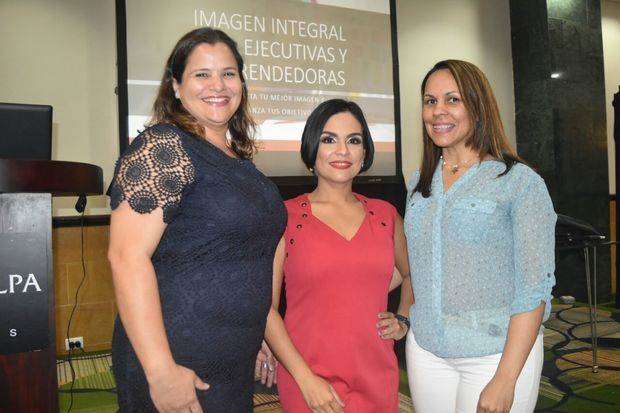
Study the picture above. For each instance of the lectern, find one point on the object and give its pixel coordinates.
(28, 381)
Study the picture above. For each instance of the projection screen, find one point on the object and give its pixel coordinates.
(297, 54)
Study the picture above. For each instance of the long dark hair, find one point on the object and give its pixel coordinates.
(168, 109)
(488, 137)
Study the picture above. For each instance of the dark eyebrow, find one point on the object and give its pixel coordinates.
(326, 132)
(447, 93)
(211, 70)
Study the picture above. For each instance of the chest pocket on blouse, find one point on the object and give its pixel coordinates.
(473, 218)
(418, 213)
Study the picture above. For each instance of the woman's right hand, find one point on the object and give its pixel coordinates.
(174, 390)
(321, 396)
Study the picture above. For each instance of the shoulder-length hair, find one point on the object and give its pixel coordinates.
(311, 136)
(168, 109)
(488, 137)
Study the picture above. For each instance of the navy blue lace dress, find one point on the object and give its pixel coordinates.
(213, 263)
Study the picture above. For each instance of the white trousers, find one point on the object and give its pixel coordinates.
(441, 385)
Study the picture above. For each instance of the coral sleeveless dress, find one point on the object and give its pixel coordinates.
(334, 290)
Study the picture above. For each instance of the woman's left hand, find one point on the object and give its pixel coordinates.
(266, 364)
(389, 327)
(496, 397)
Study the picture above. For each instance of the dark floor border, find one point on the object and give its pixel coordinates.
(76, 221)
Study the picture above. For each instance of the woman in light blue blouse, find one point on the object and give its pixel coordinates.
(480, 233)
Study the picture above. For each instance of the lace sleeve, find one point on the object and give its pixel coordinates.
(153, 173)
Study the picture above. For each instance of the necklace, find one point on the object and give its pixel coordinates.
(454, 168)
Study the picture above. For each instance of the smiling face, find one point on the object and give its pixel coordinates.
(211, 87)
(444, 114)
(341, 149)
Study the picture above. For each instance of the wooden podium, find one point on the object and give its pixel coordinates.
(28, 381)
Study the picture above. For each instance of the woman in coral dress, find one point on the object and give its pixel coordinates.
(337, 258)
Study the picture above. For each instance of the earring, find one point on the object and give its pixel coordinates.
(177, 94)
(311, 169)
(362, 164)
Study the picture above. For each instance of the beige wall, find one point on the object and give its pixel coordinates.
(63, 53)
(428, 31)
(610, 11)
(66, 57)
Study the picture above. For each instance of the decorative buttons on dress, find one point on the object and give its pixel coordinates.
(304, 215)
(371, 213)
(292, 241)
(383, 223)
(304, 204)
(299, 226)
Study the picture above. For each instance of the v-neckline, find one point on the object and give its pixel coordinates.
(459, 181)
(357, 231)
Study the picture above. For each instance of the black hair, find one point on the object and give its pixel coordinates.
(311, 136)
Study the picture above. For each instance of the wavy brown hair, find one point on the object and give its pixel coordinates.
(488, 137)
(168, 109)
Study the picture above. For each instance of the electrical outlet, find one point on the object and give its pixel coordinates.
(74, 342)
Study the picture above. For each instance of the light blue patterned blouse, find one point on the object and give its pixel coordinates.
(479, 253)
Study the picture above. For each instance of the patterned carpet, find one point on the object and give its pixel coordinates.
(568, 384)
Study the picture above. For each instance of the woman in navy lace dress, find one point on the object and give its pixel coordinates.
(193, 232)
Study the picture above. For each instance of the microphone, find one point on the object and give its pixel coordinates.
(80, 205)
